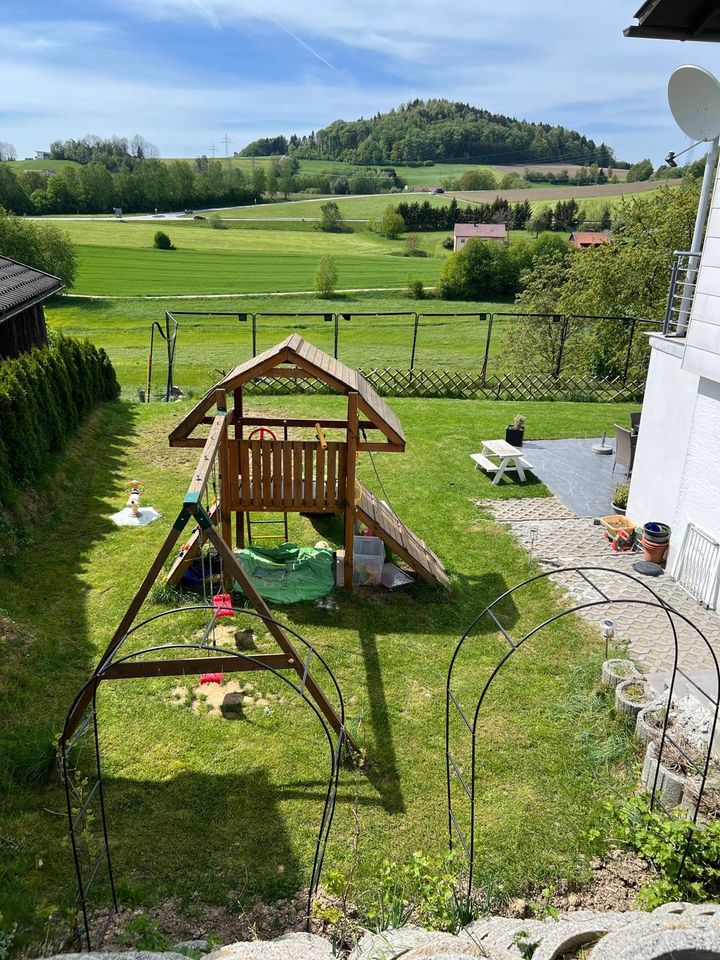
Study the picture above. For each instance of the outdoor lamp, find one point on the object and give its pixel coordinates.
(607, 629)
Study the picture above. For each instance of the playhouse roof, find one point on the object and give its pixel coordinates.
(315, 362)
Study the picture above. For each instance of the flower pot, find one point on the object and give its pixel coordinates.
(617, 670)
(632, 695)
(649, 723)
(670, 786)
(655, 532)
(653, 552)
(514, 437)
(619, 511)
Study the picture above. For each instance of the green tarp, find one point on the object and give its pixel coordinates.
(288, 573)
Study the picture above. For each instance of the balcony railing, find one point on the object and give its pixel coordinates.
(681, 293)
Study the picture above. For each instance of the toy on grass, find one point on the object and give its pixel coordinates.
(133, 515)
(211, 678)
(223, 604)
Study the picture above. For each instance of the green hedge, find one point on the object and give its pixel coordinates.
(44, 395)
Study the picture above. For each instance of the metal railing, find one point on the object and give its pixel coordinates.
(683, 282)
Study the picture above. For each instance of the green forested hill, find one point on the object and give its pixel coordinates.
(438, 130)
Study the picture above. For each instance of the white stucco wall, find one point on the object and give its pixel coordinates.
(699, 496)
(702, 354)
(667, 419)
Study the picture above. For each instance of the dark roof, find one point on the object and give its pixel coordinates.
(22, 286)
(677, 20)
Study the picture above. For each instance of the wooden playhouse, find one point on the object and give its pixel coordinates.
(270, 467)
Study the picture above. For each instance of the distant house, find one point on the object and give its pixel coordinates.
(581, 239)
(42, 155)
(427, 189)
(463, 232)
(22, 318)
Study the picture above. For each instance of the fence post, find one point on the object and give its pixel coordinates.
(629, 351)
(483, 369)
(254, 333)
(335, 335)
(414, 341)
(558, 365)
(170, 343)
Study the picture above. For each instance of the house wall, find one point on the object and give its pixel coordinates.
(667, 419)
(699, 495)
(23, 331)
(702, 344)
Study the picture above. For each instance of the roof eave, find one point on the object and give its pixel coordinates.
(32, 302)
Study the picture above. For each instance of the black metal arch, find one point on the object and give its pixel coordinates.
(453, 768)
(113, 668)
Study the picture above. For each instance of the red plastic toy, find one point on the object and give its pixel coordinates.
(211, 678)
(223, 601)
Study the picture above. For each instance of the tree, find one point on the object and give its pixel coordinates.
(258, 180)
(541, 221)
(271, 179)
(7, 151)
(412, 246)
(477, 180)
(326, 277)
(40, 245)
(161, 241)
(331, 219)
(391, 225)
(642, 170)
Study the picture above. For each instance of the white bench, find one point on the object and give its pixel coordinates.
(511, 459)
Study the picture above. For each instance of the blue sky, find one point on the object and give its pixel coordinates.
(183, 73)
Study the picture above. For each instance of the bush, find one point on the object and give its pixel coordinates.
(326, 277)
(415, 288)
(215, 224)
(43, 397)
(40, 245)
(161, 241)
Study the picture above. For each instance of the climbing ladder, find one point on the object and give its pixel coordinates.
(281, 520)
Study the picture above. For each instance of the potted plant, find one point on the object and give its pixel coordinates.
(620, 498)
(514, 433)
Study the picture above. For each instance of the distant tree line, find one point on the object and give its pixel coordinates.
(438, 130)
(425, 216)
(281, 175)
(581, 177)
(92, 188)
(115, 153)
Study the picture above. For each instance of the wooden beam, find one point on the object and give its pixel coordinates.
(364, 447)
(194, 543)
(193, 666)
(205, 464)
(352, 438)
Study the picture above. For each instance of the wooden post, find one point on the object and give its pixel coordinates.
(238, 407)
(352, 440)
(223, 456)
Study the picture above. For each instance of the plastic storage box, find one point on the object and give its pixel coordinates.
(368, 560)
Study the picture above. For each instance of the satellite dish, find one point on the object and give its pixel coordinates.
(694, 98)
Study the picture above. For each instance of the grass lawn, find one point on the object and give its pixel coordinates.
(216, 811)
(118, 258)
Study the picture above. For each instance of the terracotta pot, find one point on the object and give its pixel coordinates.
(654, 552)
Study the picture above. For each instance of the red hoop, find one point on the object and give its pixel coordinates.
(265, 433)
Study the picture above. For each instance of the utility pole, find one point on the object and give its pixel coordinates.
(227, 141)
(213, 150)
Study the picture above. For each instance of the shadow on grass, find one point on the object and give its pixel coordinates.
(213, 835)
(45, 592)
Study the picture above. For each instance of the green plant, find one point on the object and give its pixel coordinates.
(635, 692)
(7, 938)
(685, 855)
(326, 277)
(424, 888)
(216, 223)
(161, 241)
(620, 497)
(144, 934)
(415, 288)
(519, 422)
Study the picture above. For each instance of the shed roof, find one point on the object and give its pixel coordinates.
(677, 20)
(337, 375)
(590, 238)
(22, 286)
(492, 231)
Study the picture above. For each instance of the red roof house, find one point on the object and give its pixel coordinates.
(463, 232)
(581, 239)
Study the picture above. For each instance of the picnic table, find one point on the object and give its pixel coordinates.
(500, 457)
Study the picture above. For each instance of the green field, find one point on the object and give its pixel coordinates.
(19, 165)
(357, 208)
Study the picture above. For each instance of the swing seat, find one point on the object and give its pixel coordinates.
(223, 603)
(211, 678)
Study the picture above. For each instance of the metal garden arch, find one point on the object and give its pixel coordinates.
(469, 719)
(213, 658)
